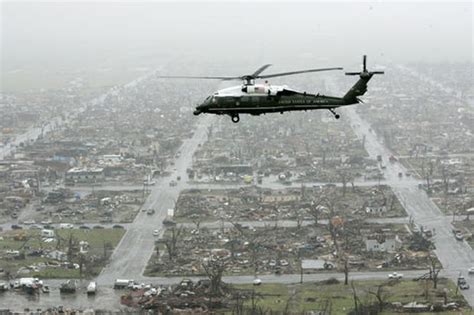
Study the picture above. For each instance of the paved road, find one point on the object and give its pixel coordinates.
(108, 298)
(136, 247)
(275, 184)
(455, 256)
(267, 183)
(285, 223)
(262, 223)
(31, 135)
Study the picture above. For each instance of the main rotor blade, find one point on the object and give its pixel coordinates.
(196, 77)
(295, 72)
(260, 70)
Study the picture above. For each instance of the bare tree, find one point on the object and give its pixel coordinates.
(197, 221)
(332, 228)
(289, 301)
(434, 270)
(325, 306)
(71, 247)
(82, 261)
(171, 242)
(427, 173)
(346, 270)
(239, 228)
(299, 221)
(445, 178)
(255, 308)
(381, 296)
(315, 210)
(344, 177)
(232, 246)
(325, 199)
(214, 269)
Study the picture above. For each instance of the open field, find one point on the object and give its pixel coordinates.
(26, 253)
(339, 297)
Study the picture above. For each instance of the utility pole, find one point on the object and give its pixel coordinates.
(301, 272)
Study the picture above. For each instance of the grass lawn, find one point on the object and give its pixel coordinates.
(29, 240)
(311, 296)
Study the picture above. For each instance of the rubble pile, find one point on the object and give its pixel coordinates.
(281, 250)
(254, 203)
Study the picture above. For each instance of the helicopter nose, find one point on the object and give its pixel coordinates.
(199, 109)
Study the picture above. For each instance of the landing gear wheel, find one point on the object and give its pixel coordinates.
(235, 118)
(336, 115)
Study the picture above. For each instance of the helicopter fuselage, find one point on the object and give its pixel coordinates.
(257, 99)
(261, 99)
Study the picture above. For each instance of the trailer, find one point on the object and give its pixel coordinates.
(28, 282)
(122, 283)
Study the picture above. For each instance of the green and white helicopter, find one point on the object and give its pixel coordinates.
(256, 99)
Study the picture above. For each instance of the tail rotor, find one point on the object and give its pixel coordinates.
(365, 73)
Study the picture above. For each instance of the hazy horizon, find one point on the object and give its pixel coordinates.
(73, 35)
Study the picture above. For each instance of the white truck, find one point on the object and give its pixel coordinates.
(27, 282)
(395, 275)
(92, 288)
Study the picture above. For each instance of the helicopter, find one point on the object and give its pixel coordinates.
(256, 99)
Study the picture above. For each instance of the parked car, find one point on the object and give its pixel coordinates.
(395, 275)
(150, 211)
(168, 222)
(257, 281)
(16, 227)
(117, 226)
(464, 286)
(471, 271)
(4, 286)
(156, 232)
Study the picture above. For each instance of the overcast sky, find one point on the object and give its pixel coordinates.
(82, 32)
